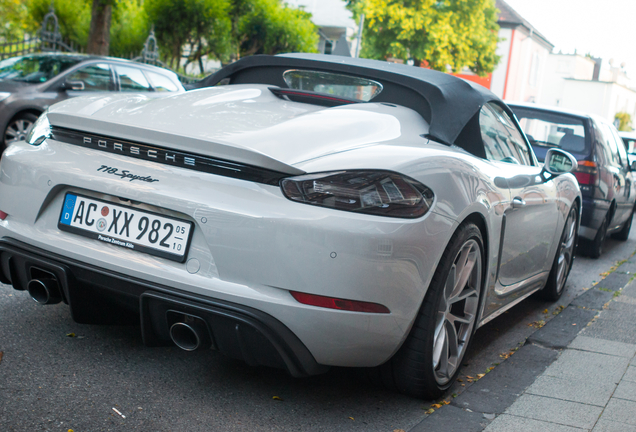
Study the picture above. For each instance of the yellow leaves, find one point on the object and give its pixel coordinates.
(430, 411)
(351, 418)
(70, 335)
(545, 311)
(277, 398)
(480, 376)
(506, 354)
(436, 406)
(537, 324)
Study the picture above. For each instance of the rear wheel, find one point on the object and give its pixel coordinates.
(623, 234)
(563, 259)
(429, 360)
(18, 129)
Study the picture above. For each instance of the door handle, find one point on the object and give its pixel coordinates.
(518, 202)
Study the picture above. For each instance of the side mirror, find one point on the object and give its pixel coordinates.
(73, 85)
(559, 162)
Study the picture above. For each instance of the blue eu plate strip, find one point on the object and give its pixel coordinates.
(67, 211)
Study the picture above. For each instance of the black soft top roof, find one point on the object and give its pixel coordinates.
(446, 102)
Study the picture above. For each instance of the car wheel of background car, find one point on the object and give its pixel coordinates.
(563, 259)
(18, 128)
(429, 360)
(623, 234)
(594, 249)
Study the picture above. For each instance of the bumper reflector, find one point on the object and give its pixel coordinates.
(340, 304)
(3, 215)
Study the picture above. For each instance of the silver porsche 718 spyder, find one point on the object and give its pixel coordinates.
(296, 211)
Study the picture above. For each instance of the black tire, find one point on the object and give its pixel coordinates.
(594, 248)
(17, 129)
(623, 234)
(429, 361)
(563, 259)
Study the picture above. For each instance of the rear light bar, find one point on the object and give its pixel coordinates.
(337, 303)
(3, 215)
(586, 173)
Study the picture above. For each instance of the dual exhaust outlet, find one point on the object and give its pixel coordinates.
(188, 332)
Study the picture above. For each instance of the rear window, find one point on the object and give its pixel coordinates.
(344, 86)
(547, 130)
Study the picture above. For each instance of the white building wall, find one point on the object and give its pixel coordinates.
(558, 68)
(601, 98)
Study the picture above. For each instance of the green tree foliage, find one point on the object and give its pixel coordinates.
(269, 27)
(624, 121)
(13, 22)
(204, 25)
(442, 33)
(129, 29)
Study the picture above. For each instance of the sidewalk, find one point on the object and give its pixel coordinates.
(577, 373)
(592, 385)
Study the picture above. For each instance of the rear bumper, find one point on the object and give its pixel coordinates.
(99, 296)
(592, 215)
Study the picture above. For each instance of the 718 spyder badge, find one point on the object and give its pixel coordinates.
(125, 174)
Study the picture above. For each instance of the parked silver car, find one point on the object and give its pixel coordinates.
(31, 83)
(316, 211)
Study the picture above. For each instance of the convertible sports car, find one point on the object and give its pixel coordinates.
(298, 211)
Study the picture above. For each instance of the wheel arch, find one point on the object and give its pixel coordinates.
(36, 112)
(480, 221)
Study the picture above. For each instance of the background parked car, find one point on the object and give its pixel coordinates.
(30, 84)
(629, 139)
(604, 171)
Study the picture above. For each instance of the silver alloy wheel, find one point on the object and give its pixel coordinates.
(566, 250)
(17, 131)
(457, 311)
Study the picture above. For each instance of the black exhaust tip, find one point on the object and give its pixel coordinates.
(44, 291)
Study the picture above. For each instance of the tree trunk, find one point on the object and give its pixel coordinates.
(99, 34)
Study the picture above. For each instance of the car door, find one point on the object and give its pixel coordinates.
(91, 79)
(531, 218)
(621, 181)
(628, 196)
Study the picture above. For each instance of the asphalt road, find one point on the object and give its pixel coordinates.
(52, 382)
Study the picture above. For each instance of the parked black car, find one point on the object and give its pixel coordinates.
(604, 172)
(30, 84)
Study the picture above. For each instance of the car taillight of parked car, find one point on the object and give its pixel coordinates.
(587, 173)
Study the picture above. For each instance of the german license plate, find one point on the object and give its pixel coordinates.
(125, 226)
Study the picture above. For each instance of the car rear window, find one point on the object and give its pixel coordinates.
(547, 130)
(344, 86)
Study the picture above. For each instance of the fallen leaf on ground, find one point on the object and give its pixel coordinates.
(545, 311)
(436, 405)
(70, 334)
(430, 411)
(351, 418)
(1, 354)
(480, 375)
(398, 430)
(469, 377)
(277, 398)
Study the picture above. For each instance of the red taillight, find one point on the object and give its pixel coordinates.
(584, 178)
(336, 303)
(586, 173)
(3, 215)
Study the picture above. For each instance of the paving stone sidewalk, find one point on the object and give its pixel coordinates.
(563, 379)
(591, 386)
